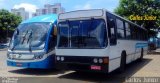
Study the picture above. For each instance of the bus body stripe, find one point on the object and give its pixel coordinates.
(141, 45)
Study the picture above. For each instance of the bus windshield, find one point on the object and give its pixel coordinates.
(30, 36)
(82, 34)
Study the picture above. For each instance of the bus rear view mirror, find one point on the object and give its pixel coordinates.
(111, 31)
(111, 23)
(110, 27)
(112, 40)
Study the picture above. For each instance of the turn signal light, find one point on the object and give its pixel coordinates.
(105, 60)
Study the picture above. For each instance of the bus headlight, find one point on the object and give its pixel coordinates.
(58, 58)
(38, 56)
(9, 56)
(95, 60)
(100, 60)
(62, 58)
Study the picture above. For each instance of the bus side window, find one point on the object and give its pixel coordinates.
(111, 31)
(120, 29)
(128, 32)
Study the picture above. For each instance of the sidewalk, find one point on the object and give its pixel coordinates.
(157, 51)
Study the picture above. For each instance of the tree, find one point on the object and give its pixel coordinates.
(142, 8)
(8, 23)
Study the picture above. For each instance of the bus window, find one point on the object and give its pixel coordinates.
(145, 35)
(140, 36)
(120, 29)
(128, 33)
(132, 32)
(82, 34)
(137, 35)
(112, 31)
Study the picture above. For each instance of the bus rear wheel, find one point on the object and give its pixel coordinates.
(123, 62)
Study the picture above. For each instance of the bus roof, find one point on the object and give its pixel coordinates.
(43, 18)
(81, 14)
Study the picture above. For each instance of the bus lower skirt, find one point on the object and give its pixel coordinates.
(82, 67)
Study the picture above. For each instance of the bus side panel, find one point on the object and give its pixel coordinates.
(137, 53)
(113, 64)
(129, 47)
(114, 57)
(115, 53)
(138, 49)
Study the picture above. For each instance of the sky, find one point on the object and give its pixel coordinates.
(69, 5)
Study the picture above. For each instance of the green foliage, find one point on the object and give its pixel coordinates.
(8, 21)
(127, 8)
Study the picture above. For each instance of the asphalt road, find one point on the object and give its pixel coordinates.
(149, 67)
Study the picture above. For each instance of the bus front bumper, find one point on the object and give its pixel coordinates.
(81, 64)
(44, 64)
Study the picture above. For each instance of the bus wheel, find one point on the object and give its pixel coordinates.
(123, 62)
(141, 57)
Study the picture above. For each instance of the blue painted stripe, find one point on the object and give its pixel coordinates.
(141, 45)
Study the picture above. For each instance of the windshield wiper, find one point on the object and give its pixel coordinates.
(24, 37)
(14, 39)
(29, 41)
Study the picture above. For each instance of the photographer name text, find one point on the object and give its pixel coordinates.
(145, 17)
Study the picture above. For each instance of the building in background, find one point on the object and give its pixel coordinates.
(50, 9)
(21, 12)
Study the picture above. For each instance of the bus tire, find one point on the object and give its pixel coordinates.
(123, 62)
(142, 53)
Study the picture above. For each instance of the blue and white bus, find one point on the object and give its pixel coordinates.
(33, 43)
(153, 43)
(98, 40)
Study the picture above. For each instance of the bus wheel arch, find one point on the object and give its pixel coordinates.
(123, 61)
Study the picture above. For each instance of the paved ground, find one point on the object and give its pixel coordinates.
(149, 67)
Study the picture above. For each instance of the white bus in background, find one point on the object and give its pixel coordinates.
(97, 40)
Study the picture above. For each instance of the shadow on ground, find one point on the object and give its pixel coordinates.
(154, 53)
(37, 72)
(113, 77)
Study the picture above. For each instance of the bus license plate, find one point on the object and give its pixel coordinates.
(19, 64)
(94, 67)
